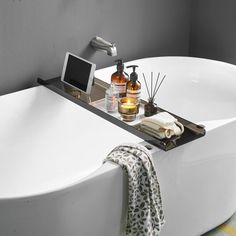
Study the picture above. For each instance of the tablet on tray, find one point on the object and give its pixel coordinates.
(78, 72)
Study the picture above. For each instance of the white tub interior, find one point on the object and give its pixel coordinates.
(49, 143)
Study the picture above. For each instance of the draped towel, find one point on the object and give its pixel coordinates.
(144, 215)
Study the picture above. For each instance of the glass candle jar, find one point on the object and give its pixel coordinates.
(128, 108)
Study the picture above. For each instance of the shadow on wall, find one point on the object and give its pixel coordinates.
(35, 35)
(213, 32)
(87, 52)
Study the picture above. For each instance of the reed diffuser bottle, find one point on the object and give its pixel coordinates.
(120, 78)
(150, 108)
(133, 88)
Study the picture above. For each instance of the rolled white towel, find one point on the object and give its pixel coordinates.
(162, 125)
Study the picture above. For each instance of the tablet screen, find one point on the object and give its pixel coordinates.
(78, 72)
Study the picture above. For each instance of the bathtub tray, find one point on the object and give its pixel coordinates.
(95, 104)
(191, 130)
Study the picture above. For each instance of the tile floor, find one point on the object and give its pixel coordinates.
(226, 229)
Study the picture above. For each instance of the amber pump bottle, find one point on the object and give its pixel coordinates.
(133, 88)
(120, 78)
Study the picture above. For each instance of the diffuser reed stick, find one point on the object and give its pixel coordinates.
(159, 86)
(151, 83)
(152, 92)
(156, 82)
(146, 85)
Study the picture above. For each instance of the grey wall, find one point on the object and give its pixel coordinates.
(213, 30)
(34, 35)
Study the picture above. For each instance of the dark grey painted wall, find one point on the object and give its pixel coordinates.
(213, 30)
(34, 35)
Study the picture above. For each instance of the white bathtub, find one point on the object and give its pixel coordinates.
(51, 178)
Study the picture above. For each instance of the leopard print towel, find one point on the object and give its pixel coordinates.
(145, 215)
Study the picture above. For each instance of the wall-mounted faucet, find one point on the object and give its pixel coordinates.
(100, 44)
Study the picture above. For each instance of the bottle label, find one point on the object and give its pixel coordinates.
(134, 93)
(120, 87)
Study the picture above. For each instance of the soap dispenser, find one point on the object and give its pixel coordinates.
(120, 78)
(133, 88)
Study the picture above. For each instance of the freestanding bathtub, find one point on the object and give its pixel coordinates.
(52, 181)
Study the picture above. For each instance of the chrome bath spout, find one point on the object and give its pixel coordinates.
(100, 44)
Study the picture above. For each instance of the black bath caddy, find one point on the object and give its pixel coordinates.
(191, 131)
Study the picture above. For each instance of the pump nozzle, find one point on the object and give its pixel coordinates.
(133, 66)
(120, 64)
(133, 75)
(119, 61)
